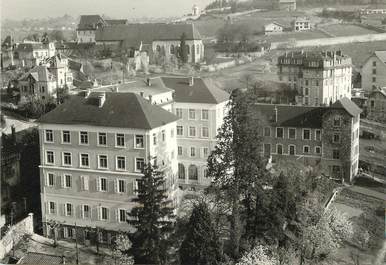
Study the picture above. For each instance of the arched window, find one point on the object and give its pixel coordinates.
(193, 172)
(181, 171)
(193, 47)
(172, 49)
(187, 49)
(198, 49)
(205, 172)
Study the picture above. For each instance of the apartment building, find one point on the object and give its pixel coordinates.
(93, 148)
(320, 78)
(376, 107)
(325, 138)
(374, 71)
(302, 24)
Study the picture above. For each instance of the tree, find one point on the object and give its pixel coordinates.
(3, 120)
(62, 94)
(45, 39)
(33, 37)
(183, 51)
(259, 255)
(201, 243)
(57, 35)
(121, 246)
(152, 218)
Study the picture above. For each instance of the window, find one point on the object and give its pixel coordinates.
(374, 71)
(306, 91)
(102, 184)
(121, 186)
(66, 137)
(267, 131)
(68, 209)
(84, 182)
(306, 134)
(279, 133)
(336, 138)
(192, 131)
(374, 79)
(67, 159)
(84, 160)
(179, 112)
(179, 148)
(180, 130)
(181, 171)
(121, 163)
(52, 208)
(205, 132)
(337, 121)
(67, 181)
(192, 114)
(85, 211)
(50, 179)
(318, 135)
(205, 152)
(102, 139)
(267, 149)
(279, 149)
(335, 154)
(292, 133)
(120, 140)
(104, 213)
(139, 143)
(192, 151)
(292, 150)
(122, 215)
(306, 149)
(49, 136)
(154, 139)
(318, 150)
(139, 164)
(50, 157)
(102, 161)
(193, 172)
(374, 63)
(163, 135)
(204, 114)
(83, 137)
(68, 232)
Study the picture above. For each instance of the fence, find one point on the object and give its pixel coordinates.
(15, 233)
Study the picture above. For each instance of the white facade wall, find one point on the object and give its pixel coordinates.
(85, 36)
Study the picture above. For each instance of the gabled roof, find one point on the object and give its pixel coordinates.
(287, 1)
(90, 22)
(76, 66)
(380, 90)
(276, 23)
(381, 55)
(146, 33)
(303, 116)
(40, 73)
(202, 91)
(120, 110)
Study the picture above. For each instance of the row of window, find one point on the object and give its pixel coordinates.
(102, 213)
(194, 151)
(193, 114)
(192, 132)
(291, 149)
(67, 181)
(102, 161)
(192, 172)
(306, 133)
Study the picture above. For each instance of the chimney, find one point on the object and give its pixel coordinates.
(141, 93)
(101, 99)
(148, 81)
(191, 81)
(275, 114)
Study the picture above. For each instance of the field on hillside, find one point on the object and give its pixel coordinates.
(341, 30)
(305, 35)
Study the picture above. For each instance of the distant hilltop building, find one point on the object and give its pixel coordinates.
(196, 11)
(287, 5)
(374, 71)
(302, 24)
(374, 9)
(320, 78)
(273, 28)
(376, 106)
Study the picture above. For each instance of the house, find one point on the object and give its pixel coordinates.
(273, 28)
(373, 71)
(320, 78)
(157, 38)
(88, 24)
(376, 105)
(325, 138)
(33, 53)
(374, 9)
(302, 24)
(287, 5)
(93, 149)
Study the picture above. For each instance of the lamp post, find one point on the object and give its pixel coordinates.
(76, 245)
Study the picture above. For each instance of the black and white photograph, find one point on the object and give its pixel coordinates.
(193, 132)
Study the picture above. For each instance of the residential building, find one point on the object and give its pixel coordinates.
(320, 78)
(33, 53)
(157, 38)
(374, 9)
(201, 107)
(287, 5)
(376, 105)
(88, 24)
(92, 151)
(302, 24)
(273, 28)
(325, 138)
(374, 71)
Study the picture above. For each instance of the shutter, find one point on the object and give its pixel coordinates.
(47, 205)
(82, 210)
(65, 232)
(116, 183)
(99, 213)
(117, 215)
(98, 184)
(73, 233)
(81, 182)
(47, 179)
(85, 182)
(62, 180)
(64, 209)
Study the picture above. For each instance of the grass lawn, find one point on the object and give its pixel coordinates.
(373, 151)
(341, 30)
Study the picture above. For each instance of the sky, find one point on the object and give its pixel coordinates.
(21, 9)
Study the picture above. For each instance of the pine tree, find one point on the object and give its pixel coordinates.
(201, 244)
(153, 219)
(183, 51)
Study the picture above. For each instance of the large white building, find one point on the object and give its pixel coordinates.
(374, 72)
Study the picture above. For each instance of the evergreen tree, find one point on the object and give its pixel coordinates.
(153, 218)
(183, 51)
(201, 244)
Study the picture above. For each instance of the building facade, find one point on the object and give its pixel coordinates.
(33, 53)
(373, 71)
(320, 78)
(273, 28)
(376, 105)
(324, 138)
(302, 24)
(88, 24)
(92, 151)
